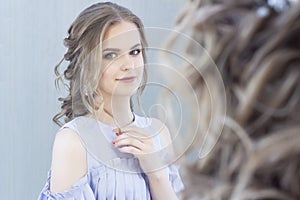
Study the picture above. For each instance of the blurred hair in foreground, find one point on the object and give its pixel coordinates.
(256, 47)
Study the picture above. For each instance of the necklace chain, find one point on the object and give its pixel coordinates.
(133, 118)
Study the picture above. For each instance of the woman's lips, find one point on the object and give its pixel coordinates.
(127, 79)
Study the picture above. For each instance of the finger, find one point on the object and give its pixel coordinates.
(117, 130)
(137, 132)
(130, 149)
(124, 136)
(129, 142)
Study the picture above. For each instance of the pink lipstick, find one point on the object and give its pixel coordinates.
(128, 79)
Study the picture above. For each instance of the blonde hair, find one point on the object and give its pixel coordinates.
(84, 47)
(257, 51)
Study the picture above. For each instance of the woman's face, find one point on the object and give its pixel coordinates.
(122, 60)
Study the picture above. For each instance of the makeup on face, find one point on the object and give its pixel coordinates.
(122, 59)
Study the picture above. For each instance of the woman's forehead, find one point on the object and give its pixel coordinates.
(123, 35)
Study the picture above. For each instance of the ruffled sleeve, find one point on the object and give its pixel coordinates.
(175, 179)
(79, 191)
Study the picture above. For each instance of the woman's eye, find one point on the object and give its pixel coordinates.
(110, 56)
(135, 52)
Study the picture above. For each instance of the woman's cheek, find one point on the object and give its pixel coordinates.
(106, 81)
(140, 60)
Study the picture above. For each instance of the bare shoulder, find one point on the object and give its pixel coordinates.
(163, 131)
(68, 160)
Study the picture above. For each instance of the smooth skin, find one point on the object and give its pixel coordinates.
(121, 58)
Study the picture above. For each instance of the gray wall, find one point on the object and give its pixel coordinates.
(31, 39)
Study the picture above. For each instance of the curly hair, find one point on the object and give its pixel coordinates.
(84, 47)
(256, 47)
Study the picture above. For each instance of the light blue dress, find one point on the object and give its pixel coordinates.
(104, 179)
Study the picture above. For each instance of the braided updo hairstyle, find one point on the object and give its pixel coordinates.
(83, 72)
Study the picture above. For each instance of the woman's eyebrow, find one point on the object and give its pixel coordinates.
(115, 49)
(138, 44)
(111, 49)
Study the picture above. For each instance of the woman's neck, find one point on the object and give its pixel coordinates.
(116, 111)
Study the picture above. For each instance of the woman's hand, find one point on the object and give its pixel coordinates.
(139, 142)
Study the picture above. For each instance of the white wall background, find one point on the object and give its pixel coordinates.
(31, 43)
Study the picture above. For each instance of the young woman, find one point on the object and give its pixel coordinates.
(104, 150)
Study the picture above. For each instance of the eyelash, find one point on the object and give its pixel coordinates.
(134, 52)
(108, 56)
(138, 52)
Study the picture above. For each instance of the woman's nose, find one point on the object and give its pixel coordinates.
(127, 63)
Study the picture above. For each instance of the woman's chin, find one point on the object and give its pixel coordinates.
(125, 91)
